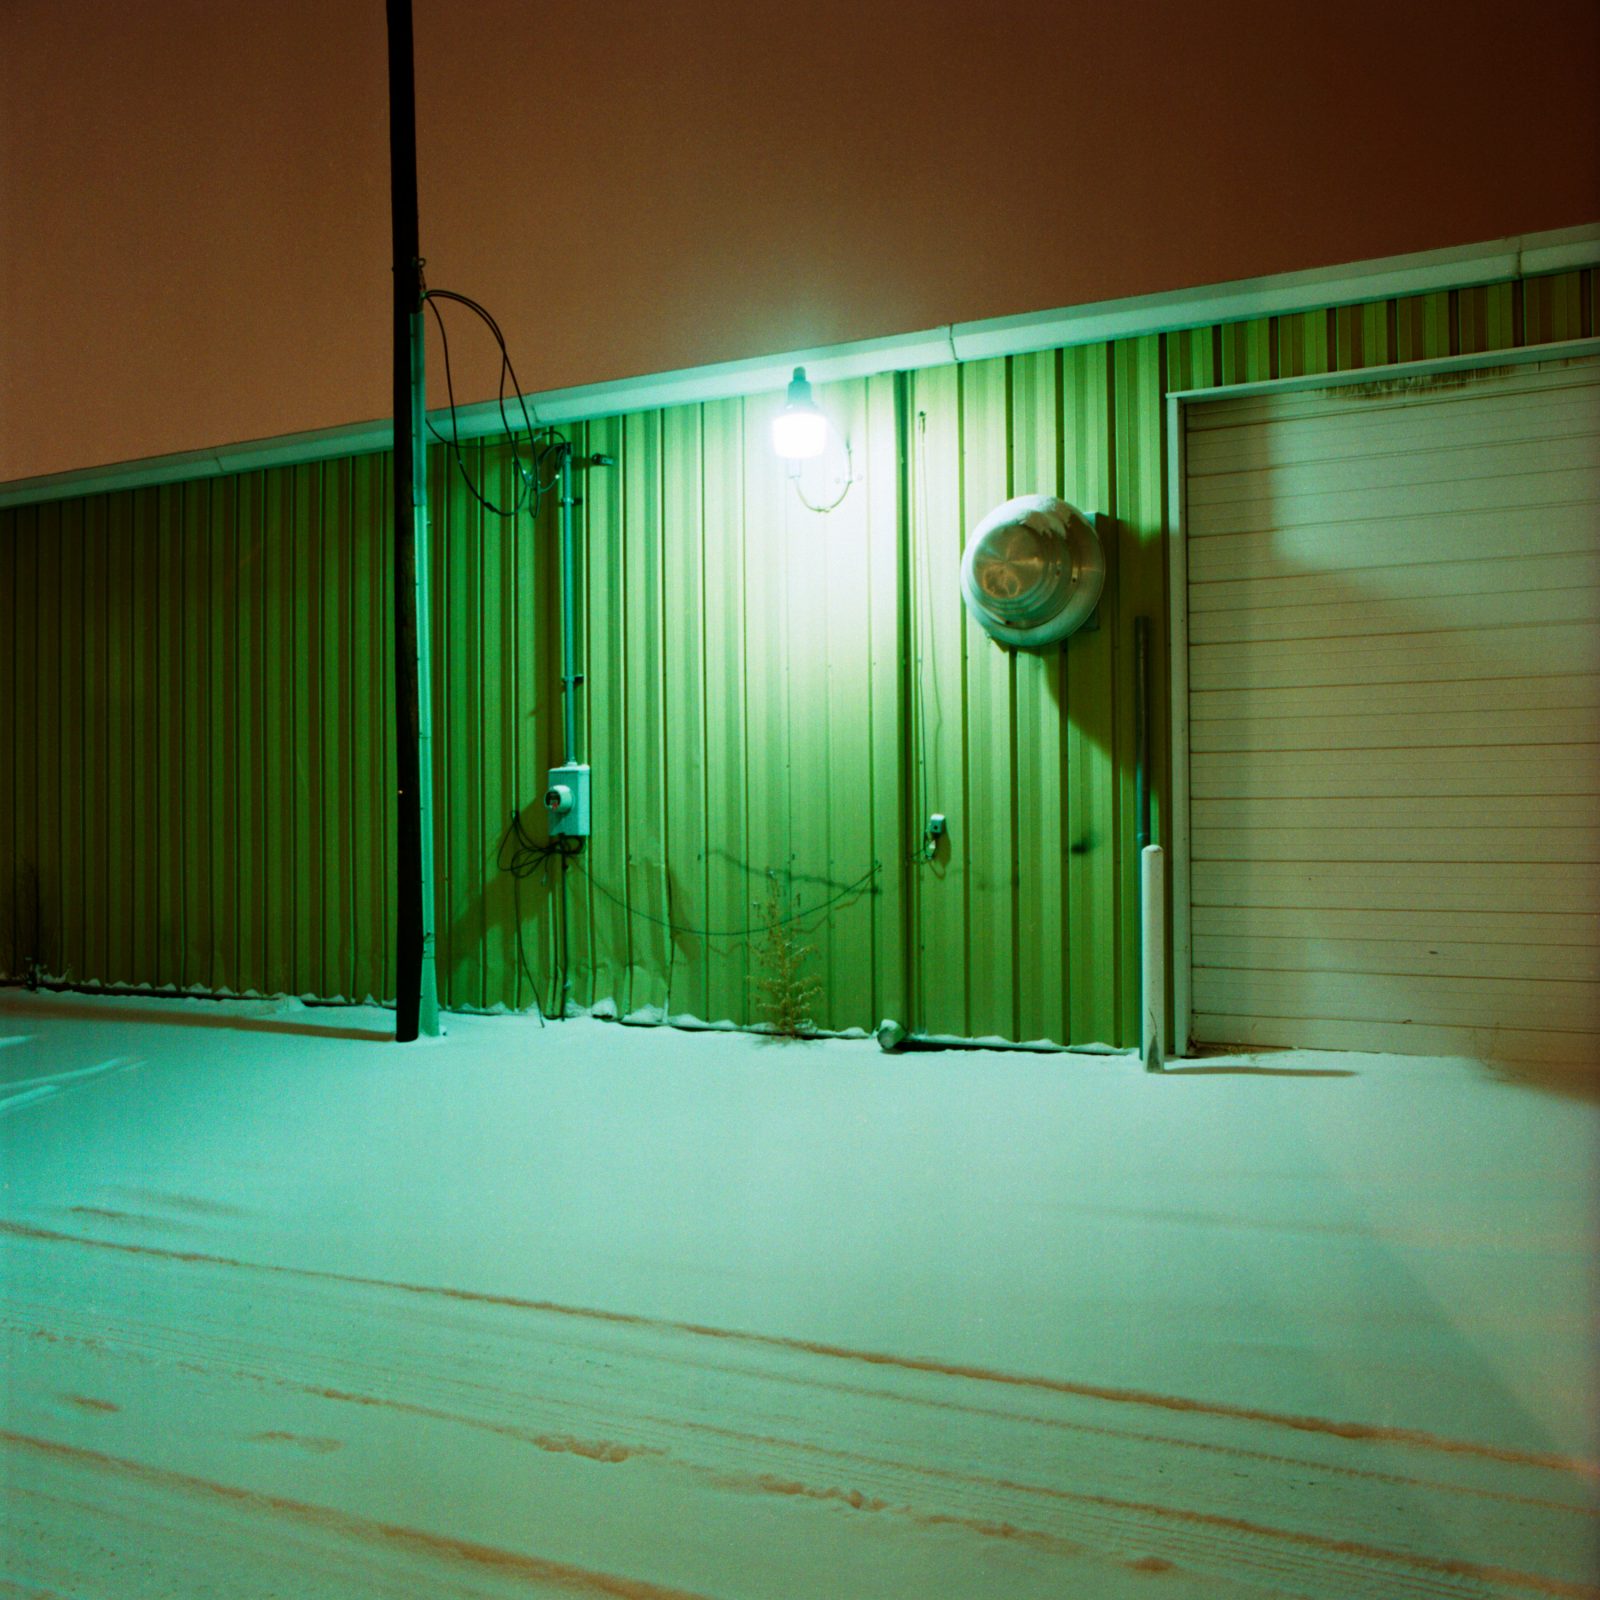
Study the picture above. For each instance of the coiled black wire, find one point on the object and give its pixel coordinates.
(531, 485)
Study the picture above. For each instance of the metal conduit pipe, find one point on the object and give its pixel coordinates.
(1152, 869)
(570, 677)
(1141, 731)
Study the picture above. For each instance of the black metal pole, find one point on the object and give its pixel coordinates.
(407, 308)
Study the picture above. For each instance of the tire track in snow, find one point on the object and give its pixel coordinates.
(71, 1075)
(90, 1402)
(606, 1450)
(315, 1444)
(369, 1530)
(1107, 1527)
(1401, 1571)
(611, 1451)
(1166, 1441)
(1212, 1546)
(762, 1376)
(1175, 1441)
(189, 1204)
(1383, 1433)
(1448, 1567)
(16, 1093)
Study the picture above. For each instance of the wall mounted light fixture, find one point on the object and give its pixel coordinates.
(799, 431)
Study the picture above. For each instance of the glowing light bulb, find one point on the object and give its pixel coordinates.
(800, 430)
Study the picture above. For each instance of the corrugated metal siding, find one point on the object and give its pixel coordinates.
(1017, 918)
(196, 732)
(194, 691)
(740, 713)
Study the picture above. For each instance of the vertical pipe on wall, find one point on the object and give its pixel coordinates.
(569, 649)
(428, 999)
(1152, 873)
(416, 998)
(1152, 958)
(1141, 730)
(911, 822)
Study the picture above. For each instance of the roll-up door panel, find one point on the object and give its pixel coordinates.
(1394, 715)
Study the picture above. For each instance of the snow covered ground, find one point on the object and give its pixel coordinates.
(288, 1310)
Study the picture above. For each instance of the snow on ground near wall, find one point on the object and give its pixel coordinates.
(289, 1310)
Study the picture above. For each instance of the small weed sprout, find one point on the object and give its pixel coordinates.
(787, 994)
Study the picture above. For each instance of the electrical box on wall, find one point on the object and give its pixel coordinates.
(566, 798)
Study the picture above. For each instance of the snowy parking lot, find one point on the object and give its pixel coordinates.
(585, 1309)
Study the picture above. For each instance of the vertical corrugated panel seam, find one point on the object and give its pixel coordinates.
(1012, 748)
(1114, 697)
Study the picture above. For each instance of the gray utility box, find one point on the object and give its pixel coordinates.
(566, 798)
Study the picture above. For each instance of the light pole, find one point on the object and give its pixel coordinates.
(416, 984)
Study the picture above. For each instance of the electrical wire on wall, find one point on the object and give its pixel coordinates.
(838, 499)
(521, 857)
(749, 930)
(531, 484)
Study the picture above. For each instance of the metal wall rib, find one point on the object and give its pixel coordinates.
(194, 703)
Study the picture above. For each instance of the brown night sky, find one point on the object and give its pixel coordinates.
(195, 248)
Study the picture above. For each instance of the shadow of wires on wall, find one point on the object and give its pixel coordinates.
(783, 907)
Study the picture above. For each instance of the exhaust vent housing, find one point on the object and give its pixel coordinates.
(1033, 571)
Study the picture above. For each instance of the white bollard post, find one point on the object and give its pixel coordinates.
(1152, 957)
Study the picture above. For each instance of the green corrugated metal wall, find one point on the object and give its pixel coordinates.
(192, 686)
(194, 690)
(742, 712)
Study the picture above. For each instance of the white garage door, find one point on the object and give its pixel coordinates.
(1394, 623)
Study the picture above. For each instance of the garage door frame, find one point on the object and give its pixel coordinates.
(1177, 843)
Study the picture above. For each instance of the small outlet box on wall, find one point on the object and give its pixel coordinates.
(566, 799)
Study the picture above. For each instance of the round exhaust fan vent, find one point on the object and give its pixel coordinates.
(1032, 571)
